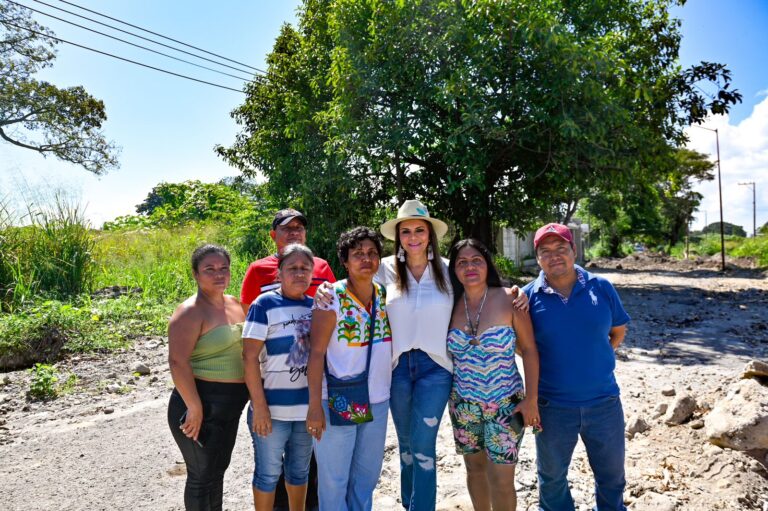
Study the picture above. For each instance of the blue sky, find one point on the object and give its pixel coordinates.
(167, 126)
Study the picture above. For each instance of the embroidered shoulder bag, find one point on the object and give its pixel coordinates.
(348, 399)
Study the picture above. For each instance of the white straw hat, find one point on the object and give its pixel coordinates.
(412, 210)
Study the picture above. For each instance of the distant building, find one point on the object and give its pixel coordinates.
(518, 247)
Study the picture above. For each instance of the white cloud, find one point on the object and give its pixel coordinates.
(744, 158)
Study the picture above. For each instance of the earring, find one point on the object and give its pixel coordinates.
(401, 254)
(430, 254)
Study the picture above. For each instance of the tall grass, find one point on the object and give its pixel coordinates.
(158, 260)
(51, 255)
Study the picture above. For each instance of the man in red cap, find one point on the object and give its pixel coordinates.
(288, 226)
(578, 322)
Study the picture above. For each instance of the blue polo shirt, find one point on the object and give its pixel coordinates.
(575, 353)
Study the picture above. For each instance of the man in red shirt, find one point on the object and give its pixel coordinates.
(289, 226)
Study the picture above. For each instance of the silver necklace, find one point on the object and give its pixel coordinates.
(471, 328)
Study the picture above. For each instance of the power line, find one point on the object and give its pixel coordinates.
(7, 22)
(160, 35)
(137, 36)
(130, 43)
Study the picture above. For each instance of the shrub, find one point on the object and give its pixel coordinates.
(43, 384)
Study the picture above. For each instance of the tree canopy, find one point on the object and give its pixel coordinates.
(37, 115)
(489, 111)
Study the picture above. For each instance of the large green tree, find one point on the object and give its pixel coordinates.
(37, 115)
(489, 110)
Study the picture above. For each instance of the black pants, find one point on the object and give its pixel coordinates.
(223, 404)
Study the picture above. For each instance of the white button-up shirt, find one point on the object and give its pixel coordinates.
(420, 317)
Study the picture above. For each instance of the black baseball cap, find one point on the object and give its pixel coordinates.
(284, 216)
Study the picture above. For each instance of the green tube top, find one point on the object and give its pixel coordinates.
(218, 354)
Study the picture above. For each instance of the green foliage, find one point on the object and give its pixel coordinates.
(37, 115)
(728, 229)
(157, 261)
(43, 384)
(655, 208)
(753, 247)
(52, 255)
(493, 110)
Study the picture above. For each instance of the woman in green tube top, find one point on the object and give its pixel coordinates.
(205, 355)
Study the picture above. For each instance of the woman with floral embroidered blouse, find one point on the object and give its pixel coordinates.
(348, 338)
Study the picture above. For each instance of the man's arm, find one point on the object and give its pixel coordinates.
(616, 335)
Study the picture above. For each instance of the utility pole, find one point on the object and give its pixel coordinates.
(752, 185)
(720, 192)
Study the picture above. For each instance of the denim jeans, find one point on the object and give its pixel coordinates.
(349, 460)
(222, 405)
(601, 428)
(288, 447)
(419, 392)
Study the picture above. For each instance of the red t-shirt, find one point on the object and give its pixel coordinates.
(262, 276)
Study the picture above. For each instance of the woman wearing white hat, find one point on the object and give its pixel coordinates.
(419, 303)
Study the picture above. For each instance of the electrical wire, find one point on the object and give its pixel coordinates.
(136, 35)
(159, 35)
(7, 22)
(130, 43)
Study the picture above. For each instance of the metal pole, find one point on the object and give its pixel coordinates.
(720, 190)
(720, 193)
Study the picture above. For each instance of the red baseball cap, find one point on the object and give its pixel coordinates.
(557, 229)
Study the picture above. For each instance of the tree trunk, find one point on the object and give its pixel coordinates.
(482, 229)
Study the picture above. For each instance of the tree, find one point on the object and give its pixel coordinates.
(492, 110)
(728, 229)
(36, 115)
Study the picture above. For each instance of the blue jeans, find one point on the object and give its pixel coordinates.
(289, 445)
(601, 427)
(419, 392)
(349, 461)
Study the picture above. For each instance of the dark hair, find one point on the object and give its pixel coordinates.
(493, 279)
(295, 248)
(202, 252)
(436, 263)
(352, 238)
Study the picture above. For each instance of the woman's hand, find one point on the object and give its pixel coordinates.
(521, 302)
(529, 408)
(194, 420)
(262, 420)
(324, 296)
(315, 421)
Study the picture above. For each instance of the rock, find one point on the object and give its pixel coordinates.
(651, 501)
(114, 388)
(109, 410)
(697, 424)
(635, 425)
(660, 410)
(668, 391)
(112, 376)
(755, 368)
(740, 419)
(141, 369)
(682, 408)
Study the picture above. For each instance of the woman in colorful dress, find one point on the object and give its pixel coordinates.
(205, 356)
(276, 352)
(489, 405)
(349, 338)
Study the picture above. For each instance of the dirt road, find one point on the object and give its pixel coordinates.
(106, 445)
